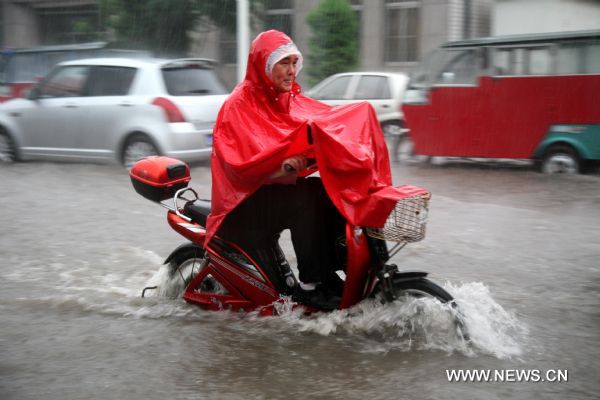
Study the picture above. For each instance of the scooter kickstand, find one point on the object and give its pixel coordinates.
(148, 288)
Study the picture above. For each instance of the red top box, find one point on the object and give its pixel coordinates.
(158, 178)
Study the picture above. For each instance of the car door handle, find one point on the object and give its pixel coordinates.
(70, 105)
(125, 104)
(385, 106)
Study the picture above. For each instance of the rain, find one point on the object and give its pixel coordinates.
(511, 231)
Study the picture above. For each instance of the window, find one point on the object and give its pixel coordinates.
(68, 22)
(571, 58)
(228, 47)
(357, 7)
(509, 61)
(27, 66)
(192, 80)
(540, 61)
(518, 62)
(591, 58)
(462, 68)
(109, 81)
(66, 82)
(401, 30)
(279, 15)
(501, 62)
(373, 87)
(526, 61)
(568, 59)
(335, 89)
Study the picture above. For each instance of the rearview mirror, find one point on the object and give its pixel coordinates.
(448, 77)
(31, 93)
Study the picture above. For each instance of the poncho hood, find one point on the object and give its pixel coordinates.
(267, 49)
(258, 128)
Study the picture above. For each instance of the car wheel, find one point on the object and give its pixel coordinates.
(560, 159)
(7, 148)
(136, 148)
(392, 129)
(405, 150)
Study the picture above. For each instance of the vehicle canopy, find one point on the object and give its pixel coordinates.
(428, 72)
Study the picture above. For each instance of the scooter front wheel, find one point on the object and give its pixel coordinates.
(423, 287)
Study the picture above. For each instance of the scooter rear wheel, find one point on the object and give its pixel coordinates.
(182, 270)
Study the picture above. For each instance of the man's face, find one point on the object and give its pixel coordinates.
(284, 74)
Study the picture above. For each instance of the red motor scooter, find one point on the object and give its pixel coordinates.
(222, 276)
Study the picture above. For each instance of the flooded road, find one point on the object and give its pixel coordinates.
(519, 250)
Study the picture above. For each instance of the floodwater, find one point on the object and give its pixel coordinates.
(519, 250)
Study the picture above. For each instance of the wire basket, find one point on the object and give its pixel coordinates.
(406, 222)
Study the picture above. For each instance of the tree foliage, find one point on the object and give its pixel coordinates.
(158, 25)
(223, 13)
(163, 25)
(333, 45)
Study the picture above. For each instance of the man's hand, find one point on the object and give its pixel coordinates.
(290, 167)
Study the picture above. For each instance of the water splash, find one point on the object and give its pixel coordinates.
(407, 324)
(167, 283)
(492, 329)
(421, 324)
(105, 289)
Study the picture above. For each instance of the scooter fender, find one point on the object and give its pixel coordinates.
(192, 231)
(396, 278)
(182, 249)
(408, 276)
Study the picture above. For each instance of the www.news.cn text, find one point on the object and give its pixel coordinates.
(507, 375)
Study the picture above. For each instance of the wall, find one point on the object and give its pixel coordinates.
(533, 16)
(20, 26)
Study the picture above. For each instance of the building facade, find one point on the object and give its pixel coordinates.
(518, 16)
(393, 34)
(30, 23)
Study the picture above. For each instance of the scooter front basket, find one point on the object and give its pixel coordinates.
(406, 222)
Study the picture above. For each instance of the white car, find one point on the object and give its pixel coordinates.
(115, 109)
(384, 90)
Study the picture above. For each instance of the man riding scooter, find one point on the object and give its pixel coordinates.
(262, 150)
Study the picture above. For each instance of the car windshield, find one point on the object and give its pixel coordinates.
(192, 81)
(428, 69)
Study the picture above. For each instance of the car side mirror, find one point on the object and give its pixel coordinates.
(448, 77)
(32, 93)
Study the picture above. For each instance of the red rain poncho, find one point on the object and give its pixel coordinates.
(258, 128)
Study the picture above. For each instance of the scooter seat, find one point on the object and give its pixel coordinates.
(197, 210)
